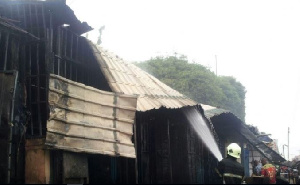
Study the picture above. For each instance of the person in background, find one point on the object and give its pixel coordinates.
(257, 168)
(231, 171)
(268, 170)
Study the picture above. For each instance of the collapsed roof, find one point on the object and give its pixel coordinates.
(226, 122)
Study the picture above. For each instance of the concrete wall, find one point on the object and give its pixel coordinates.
(37, 162)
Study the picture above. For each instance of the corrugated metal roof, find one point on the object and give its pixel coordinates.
(127, 78)
(85, 119)
(210, 111)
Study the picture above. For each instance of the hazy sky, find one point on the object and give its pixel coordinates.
(257, 42)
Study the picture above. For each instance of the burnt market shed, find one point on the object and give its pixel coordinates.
(232, 129)
(67, 118)
(168, 149)
(78, 105)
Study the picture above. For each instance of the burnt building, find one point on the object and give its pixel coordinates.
(48, 77)
(168, 148)
(231, 129)
(71, 112)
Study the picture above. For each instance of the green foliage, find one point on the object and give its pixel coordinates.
(198, 83)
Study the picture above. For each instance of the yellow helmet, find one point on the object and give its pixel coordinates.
(234, 150)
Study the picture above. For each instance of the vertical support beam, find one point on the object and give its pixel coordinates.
(202, 162)
(6, 51)
(11, 11)
(65, 51)
(44, 22)
(29, 88)
(18, 8)
(71, 48)
(50, 68)
(23, 68)
(24, 15)
(58, 49)
(242, 154)
(127, 171)
(9, 153)
(288, 143)
(30, 20)
(11, 129)
(71, 56)
(51, 31)
(169, 149)
(77, 48)
(65, 41)
(136, 159)
(77, 57)
(38, 98)
(37, 21)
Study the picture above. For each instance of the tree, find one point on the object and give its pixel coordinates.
(198, 82)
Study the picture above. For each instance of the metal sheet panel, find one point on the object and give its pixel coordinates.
(85, 119)
(126, 78)
(210, 111)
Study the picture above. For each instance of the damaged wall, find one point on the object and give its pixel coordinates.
(37, 168)
(84, 119)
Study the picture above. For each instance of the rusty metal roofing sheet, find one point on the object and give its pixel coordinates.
(85, 119)
(127, 78)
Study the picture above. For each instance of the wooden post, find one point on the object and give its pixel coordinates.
(169, 145)
(136, 160)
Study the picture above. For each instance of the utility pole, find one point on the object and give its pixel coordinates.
(216, 65)
(288, 143)
(283, 149)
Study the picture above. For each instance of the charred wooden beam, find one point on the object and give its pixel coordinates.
(38, 88)
(6, 51)
(29, 89)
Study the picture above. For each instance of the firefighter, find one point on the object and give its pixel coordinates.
(231, 171)
(268, 170)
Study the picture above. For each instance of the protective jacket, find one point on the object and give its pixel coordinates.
(232, 172)
(268, 170)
